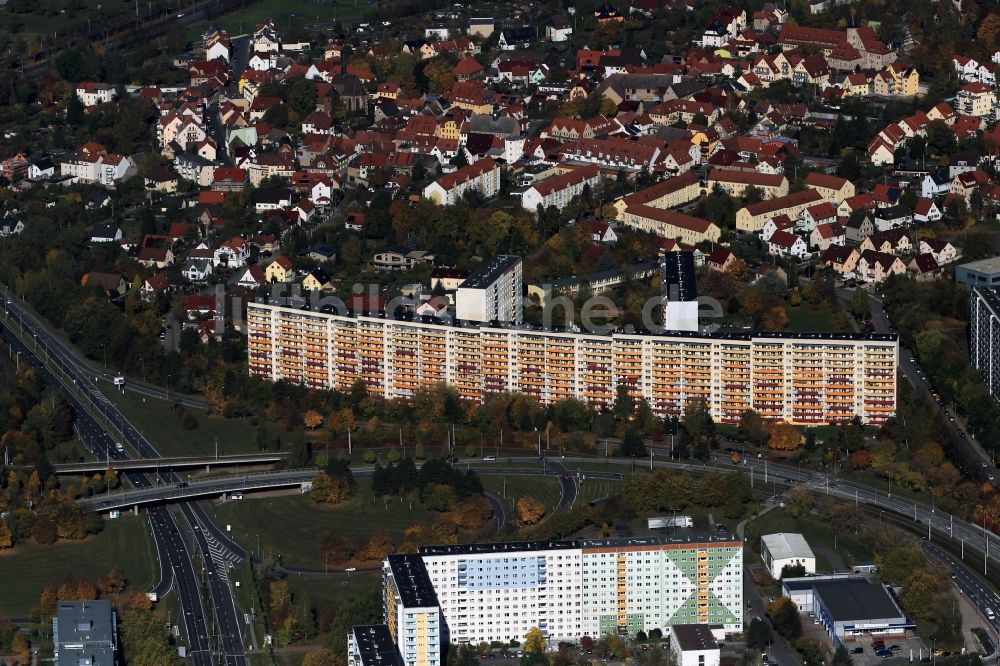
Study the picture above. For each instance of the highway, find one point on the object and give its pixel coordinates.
(70, 357)
(97, 436)
(173, 489)
(157, 464)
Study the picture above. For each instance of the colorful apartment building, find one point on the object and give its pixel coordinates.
(411, 610)
(569, 589)
(809, 379)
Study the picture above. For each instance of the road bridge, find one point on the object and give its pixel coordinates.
(164, 464)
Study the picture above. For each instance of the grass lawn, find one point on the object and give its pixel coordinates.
(807, 318)
(284, 13)
(323, 590)
(292, 524)
(156, 420)
(125, 543)
(815, 531)
(545, 489)
(592, 489)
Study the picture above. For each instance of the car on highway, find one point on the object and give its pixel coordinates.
(350, 569)
(489, 458)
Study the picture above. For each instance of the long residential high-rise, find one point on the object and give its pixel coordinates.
(813, 379)
(984, 336)
(493, 292)
(482, 593)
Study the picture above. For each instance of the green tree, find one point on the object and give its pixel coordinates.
(784, 616)
(758, 633)
(751, 428)
(632, 445)
(302, 97)
(624, 405)
(860, 306)
(841, 657)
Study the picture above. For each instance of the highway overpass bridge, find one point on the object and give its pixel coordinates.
(222, 485)
(199, 489)
(164, 464)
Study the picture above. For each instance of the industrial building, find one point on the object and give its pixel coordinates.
(981, 273)
(809, 379)
(786, 549)
(848, 606)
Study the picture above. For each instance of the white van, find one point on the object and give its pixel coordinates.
(990, 614)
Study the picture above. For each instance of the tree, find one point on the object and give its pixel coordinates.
(534, 641)
(302, 97)
(799, 503)
(841, 657)
(752, 428)
(74, 110)
(632, 445)
(784, 616)
(783, 436)
(793, 571)
(529, 510)
(320, 657)
(329, 489)
(624, 405)
(6, 538)
(860, 307)
(775, 319)
(758, 633)
(312, 419)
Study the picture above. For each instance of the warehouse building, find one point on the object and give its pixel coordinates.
(848, 606)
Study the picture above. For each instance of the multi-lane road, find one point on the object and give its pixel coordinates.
(99, 426)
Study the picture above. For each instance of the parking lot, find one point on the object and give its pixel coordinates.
(868, 657)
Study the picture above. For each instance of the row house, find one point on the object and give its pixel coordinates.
(893, 241)
(736, 183)
(483, 177)
(753, 216)
(560, 190)
(874, 267)
(942, 251)
(573, 129)
(842, 259)
(614, 153)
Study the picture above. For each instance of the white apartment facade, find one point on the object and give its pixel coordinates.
(493, 293)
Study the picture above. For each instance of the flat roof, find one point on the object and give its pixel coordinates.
(850, 598)
(990, 296)
(84, 630)
(989, 265)
(489, 272)
(332, 306)
(375, 645)
(412, 582)
(694, 637)
(569, 544)
(785, 545)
